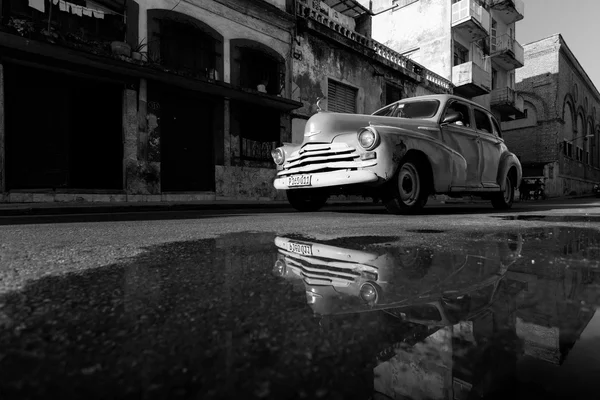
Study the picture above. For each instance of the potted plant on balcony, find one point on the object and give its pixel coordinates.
(136, 52)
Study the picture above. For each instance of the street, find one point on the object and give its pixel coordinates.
(349, 302)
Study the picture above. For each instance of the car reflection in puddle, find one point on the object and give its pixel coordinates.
(498, 318)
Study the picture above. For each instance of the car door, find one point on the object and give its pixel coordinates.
(491, 146)
(461, 137)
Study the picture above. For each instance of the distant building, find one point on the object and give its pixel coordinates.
(560, 136)
(469, 42)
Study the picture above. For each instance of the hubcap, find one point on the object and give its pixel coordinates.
(409, 184)
(507, 190)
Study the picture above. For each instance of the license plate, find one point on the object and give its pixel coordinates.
(299, 180)
(302, 249)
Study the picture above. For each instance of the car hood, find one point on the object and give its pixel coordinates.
(323, 127)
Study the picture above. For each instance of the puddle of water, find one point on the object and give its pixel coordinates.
(425, 231)
(551, 218)
(254, 315)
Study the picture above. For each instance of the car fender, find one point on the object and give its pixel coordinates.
(448, 166)
(507, 161)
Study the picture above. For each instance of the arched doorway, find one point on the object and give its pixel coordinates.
(189, 121)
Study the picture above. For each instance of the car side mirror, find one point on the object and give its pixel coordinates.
(452, 117)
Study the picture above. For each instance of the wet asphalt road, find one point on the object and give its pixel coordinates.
(460, 302)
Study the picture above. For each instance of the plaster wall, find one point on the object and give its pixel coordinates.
(316, 62)
(423, 26)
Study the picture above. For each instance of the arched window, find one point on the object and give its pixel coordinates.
(568, 130)
(184, 44)
(579, 142)
(589, 157)
(256, 66)
(531, 113)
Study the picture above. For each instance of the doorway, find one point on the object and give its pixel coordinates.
(62, 131)
(187, 155)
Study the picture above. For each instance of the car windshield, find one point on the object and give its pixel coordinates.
(411, 109)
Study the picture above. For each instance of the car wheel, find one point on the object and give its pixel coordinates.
(504, 200)
(409, 188)
(307, 199)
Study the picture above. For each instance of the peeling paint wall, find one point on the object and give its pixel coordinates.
(236, 183)
(422, 28)
(317, 60)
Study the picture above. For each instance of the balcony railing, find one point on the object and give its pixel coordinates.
(508, 103)
(473, 78)
(510, 10)
(403, 63)
(503, 95)
(472, 15)
(508, 51)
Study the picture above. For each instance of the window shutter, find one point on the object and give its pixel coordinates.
(341, 98)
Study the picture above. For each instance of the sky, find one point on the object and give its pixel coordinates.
(575, 20)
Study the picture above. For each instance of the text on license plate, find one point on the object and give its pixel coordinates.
(303, 249)
(299, 180)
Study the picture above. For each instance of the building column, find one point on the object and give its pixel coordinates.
(2, 136)
(227, 104)
(130, 141)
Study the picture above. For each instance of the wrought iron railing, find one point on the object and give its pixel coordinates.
(504, 95)
(504, 43)
(305, 9)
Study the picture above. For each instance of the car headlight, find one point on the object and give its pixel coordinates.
(368, 138)
(368, 292)
(278, 156)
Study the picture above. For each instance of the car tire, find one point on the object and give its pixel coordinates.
(306, 200)
(504, 200)
(409, 189)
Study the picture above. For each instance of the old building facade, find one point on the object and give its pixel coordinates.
(469, 42)
(337, 62)
(174, 100)
(559, 138)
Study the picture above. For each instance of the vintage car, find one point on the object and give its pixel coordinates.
(400, 154)
(340, 280)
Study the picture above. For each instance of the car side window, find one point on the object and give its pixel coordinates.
(386, 111)
(463, 110)
(497, 130)
(482, 122)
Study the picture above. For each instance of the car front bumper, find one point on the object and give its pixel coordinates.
(329, 179)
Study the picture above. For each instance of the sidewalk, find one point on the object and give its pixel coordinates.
(64, 208)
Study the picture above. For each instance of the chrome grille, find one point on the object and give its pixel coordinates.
(322, 157)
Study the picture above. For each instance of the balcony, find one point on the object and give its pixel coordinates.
(508, 11)
(473, 78)
(508, 103)
(507, 52)
(470, 20)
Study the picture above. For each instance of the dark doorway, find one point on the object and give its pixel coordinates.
(187, 156)
(62, 131)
